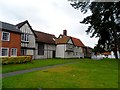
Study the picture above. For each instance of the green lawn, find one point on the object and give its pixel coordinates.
(35, 64)
(82, 74)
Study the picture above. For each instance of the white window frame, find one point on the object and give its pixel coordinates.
(8, 36)
(7, 51)
(11, 51)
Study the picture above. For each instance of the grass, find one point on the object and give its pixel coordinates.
(35, 64)
(82, 74)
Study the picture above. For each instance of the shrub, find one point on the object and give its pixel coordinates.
(16, 60)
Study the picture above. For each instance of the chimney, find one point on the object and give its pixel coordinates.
(65, 32)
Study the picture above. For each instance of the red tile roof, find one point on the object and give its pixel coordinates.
(77, 42)
(64, 39)
(45, 37)
(106, 53)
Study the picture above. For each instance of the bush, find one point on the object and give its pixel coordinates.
(16, 60)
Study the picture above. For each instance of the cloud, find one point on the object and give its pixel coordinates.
(51, 16)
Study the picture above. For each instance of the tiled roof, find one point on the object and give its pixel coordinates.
(77, 42)
(45, 37)
(106, 53)
(9, 27)
(64, 39)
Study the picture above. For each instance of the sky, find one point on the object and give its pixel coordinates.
(50, 16)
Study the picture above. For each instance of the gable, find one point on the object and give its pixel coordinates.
(70, 41)
(26, 29)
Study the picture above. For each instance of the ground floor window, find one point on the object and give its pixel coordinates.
(5, 51)
(23, 52)
(13, 51)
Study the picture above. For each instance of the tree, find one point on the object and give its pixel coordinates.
(104, 22)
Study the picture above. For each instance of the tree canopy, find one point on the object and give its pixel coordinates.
(104, 23)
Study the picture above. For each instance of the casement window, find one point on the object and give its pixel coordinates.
(5, 51)
(13, 51)
(23, 52)
(5, 36)
(25, 37)
(40, 49)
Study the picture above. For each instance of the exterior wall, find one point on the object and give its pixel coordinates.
(48, 51)
(30, 45)
(78, 52)
(15, 42)
(60, 51)
(26, 29)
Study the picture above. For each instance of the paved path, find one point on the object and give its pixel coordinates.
(31, 70)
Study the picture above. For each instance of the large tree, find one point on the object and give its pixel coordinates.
(104, 23)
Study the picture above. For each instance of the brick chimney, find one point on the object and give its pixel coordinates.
(65, 32)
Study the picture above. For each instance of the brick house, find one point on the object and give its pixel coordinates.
(10, 40)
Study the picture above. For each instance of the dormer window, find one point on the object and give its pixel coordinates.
(5, 36)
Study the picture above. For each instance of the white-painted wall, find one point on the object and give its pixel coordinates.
(60, 51)
(26, 29)
(48, 51)
(31, 44)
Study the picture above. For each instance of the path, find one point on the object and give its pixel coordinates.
(30, 70)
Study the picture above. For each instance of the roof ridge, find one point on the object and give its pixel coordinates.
(43, 32)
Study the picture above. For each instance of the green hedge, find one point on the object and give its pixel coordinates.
(16, 60)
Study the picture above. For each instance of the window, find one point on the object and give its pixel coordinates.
(5, 51)
(25, 37)
(40, 49)
(23, 52)
(13, 51)
(5, 36)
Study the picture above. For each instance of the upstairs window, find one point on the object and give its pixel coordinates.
(25, 37)
(13, 51)
(5, 36)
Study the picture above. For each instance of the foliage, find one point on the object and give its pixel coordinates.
(104, 22)
(83, 74)
(16, 60)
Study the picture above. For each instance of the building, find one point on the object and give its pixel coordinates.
(10, 40)
(68, 47)
(22, 40)
(45, 45)
(27, 39)
(87, 52)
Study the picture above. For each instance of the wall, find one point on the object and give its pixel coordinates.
(60, 51)
(26, 29)
(15, 42)
(48, 51)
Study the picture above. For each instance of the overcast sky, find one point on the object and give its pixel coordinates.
(50, 16)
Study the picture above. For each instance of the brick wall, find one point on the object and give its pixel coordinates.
(15, 42)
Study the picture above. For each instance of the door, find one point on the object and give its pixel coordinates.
(53, 54)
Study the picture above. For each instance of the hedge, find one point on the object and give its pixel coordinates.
(16, 60)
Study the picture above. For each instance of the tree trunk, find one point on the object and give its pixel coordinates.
(116, 43)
